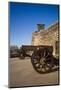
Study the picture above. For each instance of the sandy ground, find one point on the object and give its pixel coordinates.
(21, 73)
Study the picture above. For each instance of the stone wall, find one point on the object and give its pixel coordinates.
(47, 37)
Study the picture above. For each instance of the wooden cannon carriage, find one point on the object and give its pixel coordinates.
(41, 56)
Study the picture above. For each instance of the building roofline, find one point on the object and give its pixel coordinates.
(51, 25)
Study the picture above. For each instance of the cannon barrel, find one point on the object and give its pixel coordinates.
(27, 50)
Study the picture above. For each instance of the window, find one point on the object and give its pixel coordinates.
(57, 47)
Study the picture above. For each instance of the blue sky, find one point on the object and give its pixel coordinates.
(23, 20)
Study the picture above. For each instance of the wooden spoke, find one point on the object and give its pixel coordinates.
(42, 63)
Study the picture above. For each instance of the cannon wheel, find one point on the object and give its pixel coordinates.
(41, 63)
(21, 56)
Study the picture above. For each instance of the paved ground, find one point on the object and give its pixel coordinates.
(21, 73)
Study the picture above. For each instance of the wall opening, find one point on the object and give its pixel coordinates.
(57, 47)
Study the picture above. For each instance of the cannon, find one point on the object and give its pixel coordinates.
(14, 52)
(42, 58)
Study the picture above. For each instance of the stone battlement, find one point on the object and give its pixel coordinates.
(48, 36)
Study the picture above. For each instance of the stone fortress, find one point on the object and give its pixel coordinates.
(49, 36)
